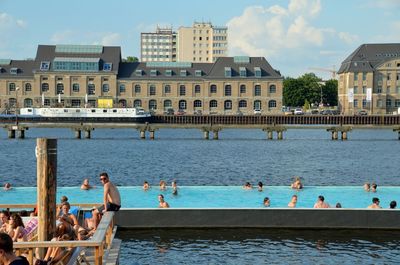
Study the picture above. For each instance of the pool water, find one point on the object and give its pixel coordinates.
(217, 196)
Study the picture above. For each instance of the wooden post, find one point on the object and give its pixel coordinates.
(21, 134)
(78, 134)
(215, 135)
(88, 134)
(11, 134)
(46, 153)
(280, 135)
(270, 135)
(142, 134)
(152, 135)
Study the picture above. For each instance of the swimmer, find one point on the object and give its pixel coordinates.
(393, 205)
(146, 186)
(163, 185)
(266, 202)
(162, 202)
(85, 185)
(375, 204)
(174, 188)
(297, 185)
(247, 186)
(260, 186)
(321, 203)
(338, 205)
(367, 186)
(293, 202)
(7, 186)
(374, 186)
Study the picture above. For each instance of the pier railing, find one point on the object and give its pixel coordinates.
(101, 240)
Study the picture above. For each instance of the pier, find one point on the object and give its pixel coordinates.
(274, 126)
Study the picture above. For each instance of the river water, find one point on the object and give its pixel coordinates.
(239, 156)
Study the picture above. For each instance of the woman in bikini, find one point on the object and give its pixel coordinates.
(17, 232)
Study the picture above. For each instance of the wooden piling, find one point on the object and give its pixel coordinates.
(78, 134)
(215, 135)
(206, 134)
(270, 135)
(46, 153)
(11, 134)
(152, 133)
(142, 134)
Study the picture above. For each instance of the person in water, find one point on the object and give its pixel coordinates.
(293, 202)
(85, 185)
(146, 186)
(297, 185)
(174, 188)
(267, 202)
(162, 203)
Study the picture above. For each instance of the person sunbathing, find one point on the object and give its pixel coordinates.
(18, 232)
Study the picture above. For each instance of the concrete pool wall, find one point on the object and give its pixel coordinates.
(259, 218)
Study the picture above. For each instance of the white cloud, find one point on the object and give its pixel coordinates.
(8, 22)
(348, 38)
(79, 37)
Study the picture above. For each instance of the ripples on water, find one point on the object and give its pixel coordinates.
(259, 246)
(239, 156)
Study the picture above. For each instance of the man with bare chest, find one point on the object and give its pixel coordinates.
(112, 198)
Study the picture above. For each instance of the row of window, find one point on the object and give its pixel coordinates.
(379, 77)
(377, 90)
(152, 89)
(379, 103)
(257, 104)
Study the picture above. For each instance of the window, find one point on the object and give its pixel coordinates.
(44, 66)
(153, 72)
(14, 71)
(228, 105)
(389, 76)
(107, 67)
(397, 103)
(355, 103)
(242, 71)
(228, 72)
(28, 103)
(213, 104)
(60, 89)
(272, 104)
(257, 104)
(364, 76)
(243, 104)
(257, 71)
(182, 104)
(106, 88)
(45, 87)
(137, 103)
(183, 73)
(182, 90)
(356, 76)
(46, 102)
(379, 89)
(272, 89)
(355, 90)
(213, 89)
(379, 103)
(197, 104)
(168, 72)
(398, 76)
(12, 102)
(167, 89)
(75, 103)
(257, 90)
(91, 89)
(388, 102)
(122, 103)
(197, 89)
(380, 77)
(152, 90)
(11, 87)
(139, 72)
(388, 90)
(28, 87)
(398, 90)
(122, 88)
(75, 87)
(137, 89)
(242, 89)
(364, 103)
(152, 104)
(228, 90)
(364, 89)
(198, 73)
(167, 104)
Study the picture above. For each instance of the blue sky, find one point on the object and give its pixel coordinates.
(293, 35)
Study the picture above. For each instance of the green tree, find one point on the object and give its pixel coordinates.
(297, 90)
(131, 59)
(330, 92)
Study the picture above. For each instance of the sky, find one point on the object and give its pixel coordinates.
(293, 35)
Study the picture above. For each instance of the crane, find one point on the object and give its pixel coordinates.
(332, 70)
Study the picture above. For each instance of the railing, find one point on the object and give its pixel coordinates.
(100, 240)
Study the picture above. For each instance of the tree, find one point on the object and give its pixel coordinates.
(297, 90)
(131, 59)
(330, 92)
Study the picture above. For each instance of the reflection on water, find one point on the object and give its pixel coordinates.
(259, 246)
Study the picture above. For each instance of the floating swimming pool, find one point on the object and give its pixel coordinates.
(217, 196)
